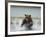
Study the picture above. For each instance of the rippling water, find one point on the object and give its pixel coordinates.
(16, 26)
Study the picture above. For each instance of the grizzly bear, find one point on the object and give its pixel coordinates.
(27, 22)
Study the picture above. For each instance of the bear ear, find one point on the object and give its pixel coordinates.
(29, 15)
(25, 15)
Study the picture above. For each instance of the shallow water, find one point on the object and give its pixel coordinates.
(17, 26)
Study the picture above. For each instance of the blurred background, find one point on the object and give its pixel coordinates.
(17, 14)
